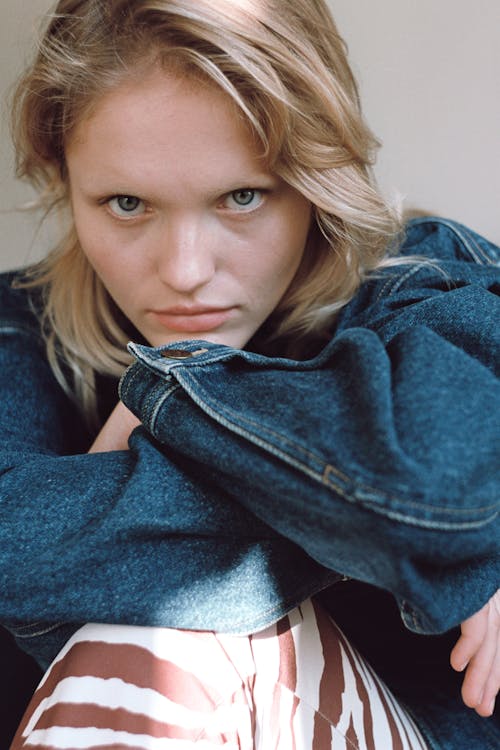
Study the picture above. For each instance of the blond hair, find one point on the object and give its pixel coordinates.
(285, 66)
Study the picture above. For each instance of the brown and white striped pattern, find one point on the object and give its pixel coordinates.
(298, 685)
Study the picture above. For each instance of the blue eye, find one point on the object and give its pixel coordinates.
(244, 198)
(126, 205)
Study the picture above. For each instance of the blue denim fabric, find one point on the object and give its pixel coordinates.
(387, 440)
(124, 537)
(258, 481)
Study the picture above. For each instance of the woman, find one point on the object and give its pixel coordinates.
(297, 423)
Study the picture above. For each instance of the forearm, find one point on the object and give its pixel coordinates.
(124, 536)
(115, 433)
(325, 460)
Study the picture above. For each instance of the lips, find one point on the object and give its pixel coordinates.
(183, 319)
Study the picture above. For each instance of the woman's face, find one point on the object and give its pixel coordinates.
(190, 233)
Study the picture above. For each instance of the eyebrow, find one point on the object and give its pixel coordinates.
(106, 185)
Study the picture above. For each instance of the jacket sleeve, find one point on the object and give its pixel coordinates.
(123, 537)
(380, 456)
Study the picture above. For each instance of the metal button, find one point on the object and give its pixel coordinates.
(181, 353)
(176, 354)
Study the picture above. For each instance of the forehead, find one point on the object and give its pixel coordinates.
(177, 121)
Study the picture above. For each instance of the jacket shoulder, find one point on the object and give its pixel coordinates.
(448, 271)
(444, 239)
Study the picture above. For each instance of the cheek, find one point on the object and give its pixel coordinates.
(293, 239)
(102, 263)
(92, 242)
(104, 256)
(117, 277)
(278, 267)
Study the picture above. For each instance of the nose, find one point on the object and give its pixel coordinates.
(185, 256)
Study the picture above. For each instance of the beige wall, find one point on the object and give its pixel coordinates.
(20, 238)
(430, 79)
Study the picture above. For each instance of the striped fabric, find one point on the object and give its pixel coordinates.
(298, 685)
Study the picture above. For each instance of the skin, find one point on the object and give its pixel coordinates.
(478, 653)
(195, 238)
(180, 217)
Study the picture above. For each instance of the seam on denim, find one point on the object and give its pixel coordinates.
(44, 631)
(153, 360)
(403, 516)
(358, 491)
(327, 467)
(430, 264)
(158, 364)
(393, 285)
(152, 420)
(209, 408)
(475, 250)
(409, 615)
(254, 424)
(30, 625)
(468, 243)
(151, 400)
(127, 380)
(479, 255)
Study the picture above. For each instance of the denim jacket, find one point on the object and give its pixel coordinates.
(255, 482)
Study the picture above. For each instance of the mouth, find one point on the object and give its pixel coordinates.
(185, 319)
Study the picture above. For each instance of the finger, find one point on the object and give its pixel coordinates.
(492, 686)
(473, 634)
(487, 705)
(480, 684)
(463, 651)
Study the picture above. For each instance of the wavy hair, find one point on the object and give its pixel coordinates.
(285, 66)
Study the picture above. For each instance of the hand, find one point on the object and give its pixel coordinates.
(115, 432)
(478, 652)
